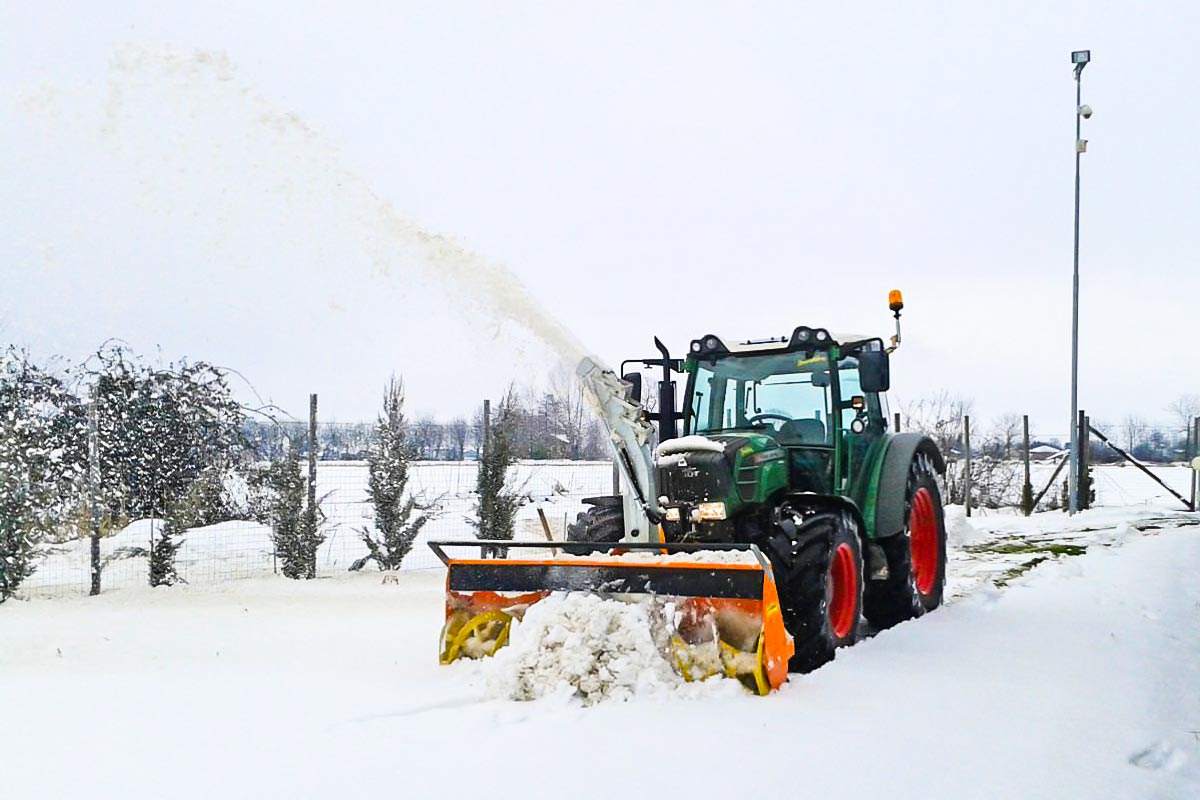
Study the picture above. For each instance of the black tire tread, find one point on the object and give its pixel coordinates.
(604, 522)
(802, 588)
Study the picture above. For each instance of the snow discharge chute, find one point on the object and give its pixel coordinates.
(718, 603)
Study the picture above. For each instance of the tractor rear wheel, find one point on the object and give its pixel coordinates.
(604, 522)
(916, 557)
(822, 591)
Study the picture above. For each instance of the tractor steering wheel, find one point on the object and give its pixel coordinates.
(783, 418)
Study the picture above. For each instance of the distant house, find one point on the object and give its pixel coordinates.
(1045, 452)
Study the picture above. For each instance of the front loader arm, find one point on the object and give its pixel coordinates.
(630, 433)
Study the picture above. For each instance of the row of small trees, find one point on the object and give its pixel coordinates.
(89, 448)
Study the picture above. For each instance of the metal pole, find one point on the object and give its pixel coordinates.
(1085, 462)
(967, 472)
(94, 491)
(487, 428)
(1027, 489)
(1195, 452)
(312, 480)
(897, 429)
(1073, 474)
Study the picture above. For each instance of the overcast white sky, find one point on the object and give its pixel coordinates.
(242, 183)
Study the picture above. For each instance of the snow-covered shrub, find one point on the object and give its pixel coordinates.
(295, 525)
(42, 446)
(396, 527)
(158, 429)
(496, 508)
(165, 436)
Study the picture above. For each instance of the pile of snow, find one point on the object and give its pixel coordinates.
(586, 646)
(721, 557)
(688, 444)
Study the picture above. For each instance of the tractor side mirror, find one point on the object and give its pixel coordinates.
(874, 374)
(634, 379)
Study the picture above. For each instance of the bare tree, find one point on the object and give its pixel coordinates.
(1185, 408)
(1134, 428)
(427, 435)
(940, 417)
(457, 431)
(1007, 430)
(571, 412)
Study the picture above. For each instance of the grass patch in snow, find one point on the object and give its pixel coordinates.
(1040, 550)
(1015, 546)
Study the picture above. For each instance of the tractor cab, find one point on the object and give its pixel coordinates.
(819, 399)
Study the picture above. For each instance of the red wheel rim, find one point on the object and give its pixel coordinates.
(843, 577)
(923, 540)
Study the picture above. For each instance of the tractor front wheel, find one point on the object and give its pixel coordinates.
(916, 557)
(822, 596)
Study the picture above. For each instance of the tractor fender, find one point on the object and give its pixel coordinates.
(893, 479)
(830, 502)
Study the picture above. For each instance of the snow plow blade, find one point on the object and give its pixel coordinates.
(722, 610)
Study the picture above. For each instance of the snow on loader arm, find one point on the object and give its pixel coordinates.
(718, 602)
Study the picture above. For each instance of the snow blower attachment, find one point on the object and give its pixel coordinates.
(718, 602)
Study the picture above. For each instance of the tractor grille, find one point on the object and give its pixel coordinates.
(702, 476)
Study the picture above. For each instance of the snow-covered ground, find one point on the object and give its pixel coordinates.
(1077, 677)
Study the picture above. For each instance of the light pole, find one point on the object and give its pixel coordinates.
(1080, 59)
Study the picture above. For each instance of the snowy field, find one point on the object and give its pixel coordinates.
(1066, 664)
(242, 549)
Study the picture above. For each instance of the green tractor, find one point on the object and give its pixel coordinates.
(787, 445)
(785, 513)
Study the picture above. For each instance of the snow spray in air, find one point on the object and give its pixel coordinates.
(202, 82)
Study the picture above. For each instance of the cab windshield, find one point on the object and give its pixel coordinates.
(784, 394)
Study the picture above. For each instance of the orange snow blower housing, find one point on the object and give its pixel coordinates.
(718, 602)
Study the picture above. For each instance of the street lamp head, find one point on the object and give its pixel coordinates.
(1080, 59)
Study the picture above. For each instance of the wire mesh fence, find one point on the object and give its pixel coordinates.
(243, 548)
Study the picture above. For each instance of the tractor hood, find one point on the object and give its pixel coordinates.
(736, 468)
(727, 444)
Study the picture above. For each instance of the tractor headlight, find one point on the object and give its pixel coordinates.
(672, 514)
(707, 512)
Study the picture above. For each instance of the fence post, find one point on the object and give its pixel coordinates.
(897, 428)
(312, 469)
(487, 428)
(616, 478)
(1027, 489)
(1195, 452)
(967, 471)
(94, 492)
(1083, 481)
(312, 451)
